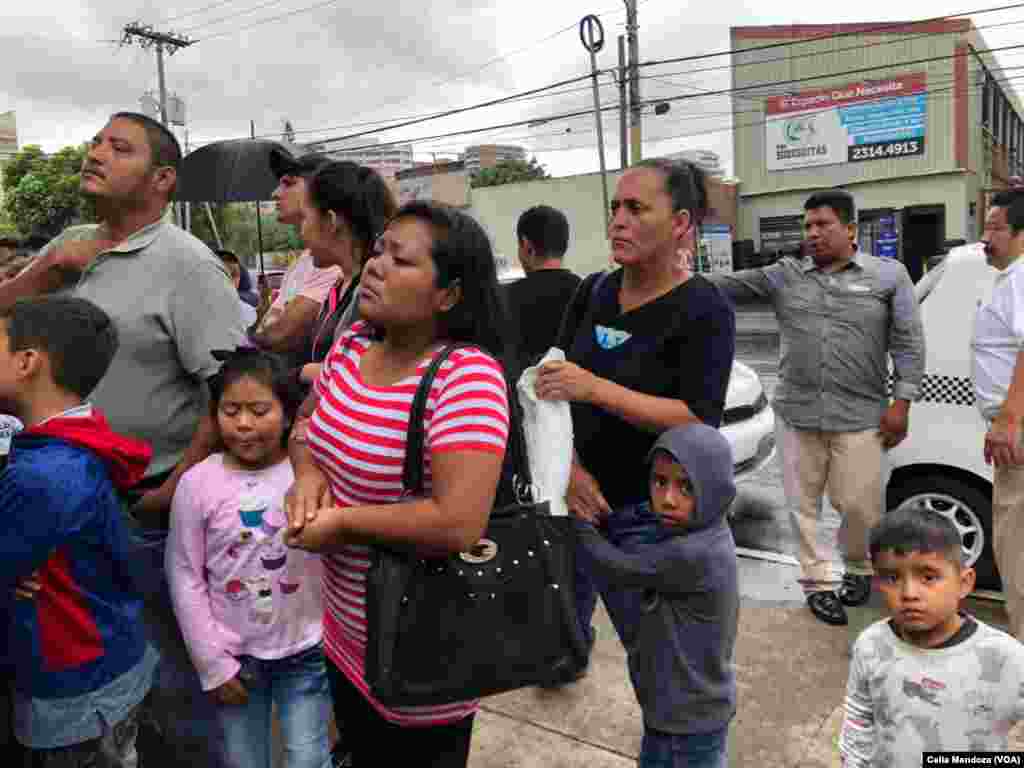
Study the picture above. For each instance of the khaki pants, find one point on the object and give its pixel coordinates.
(1008, 541)
(849, 466)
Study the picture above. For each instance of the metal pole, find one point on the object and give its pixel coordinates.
(213, 225)
(623, 140)
(259, 224)
(592, 37)
(634, 80)
(163, 84)
(600, 139)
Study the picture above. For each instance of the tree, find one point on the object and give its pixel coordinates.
(41, 194)
(236, 223)
(509, 172)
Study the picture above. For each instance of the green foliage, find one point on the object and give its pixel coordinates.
(236, 223)
(41, 192)
(509, 172)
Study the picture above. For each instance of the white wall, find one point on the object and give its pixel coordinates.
(578, 197)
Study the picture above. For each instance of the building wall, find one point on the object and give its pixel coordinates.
(837, 55)
(579, 198)
(952, 190)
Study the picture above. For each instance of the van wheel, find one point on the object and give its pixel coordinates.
(968, 509)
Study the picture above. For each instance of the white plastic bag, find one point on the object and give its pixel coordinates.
(547, 428)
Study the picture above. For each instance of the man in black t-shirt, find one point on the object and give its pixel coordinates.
(536, 303)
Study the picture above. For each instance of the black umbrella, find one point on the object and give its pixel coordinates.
(233, 171)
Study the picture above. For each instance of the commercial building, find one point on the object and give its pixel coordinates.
(444, 182)
(489, 155)
(705, 159)
(387, 159)
(916, 120)
(8, 141)
(8, 136)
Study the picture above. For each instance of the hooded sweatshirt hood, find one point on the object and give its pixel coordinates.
(707, 458)
(125, 457)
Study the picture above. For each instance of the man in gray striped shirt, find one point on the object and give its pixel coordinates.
(841, 315)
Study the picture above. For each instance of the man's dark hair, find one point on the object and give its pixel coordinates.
(163, 145)
(79, 338)
(547, 229)
(462, 251)
(1013, 201)
(907, 530)
(685, 183)
(839, 200)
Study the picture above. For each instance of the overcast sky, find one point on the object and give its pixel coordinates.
(345, 63)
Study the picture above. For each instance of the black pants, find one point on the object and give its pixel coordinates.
(375, 741)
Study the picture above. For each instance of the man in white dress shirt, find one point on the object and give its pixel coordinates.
(998, 375)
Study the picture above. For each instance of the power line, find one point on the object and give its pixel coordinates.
(894, 41)
(204, 9)
(809, 78)
(230, 16)
(653, 78)
(890, 65)
(648, 102)
(944, 92)
(832, 36)
(533, 93)
(260, 22)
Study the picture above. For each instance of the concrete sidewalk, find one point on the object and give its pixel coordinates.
(791, 671)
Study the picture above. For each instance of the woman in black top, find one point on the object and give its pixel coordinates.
(649, 346)
(346, 207)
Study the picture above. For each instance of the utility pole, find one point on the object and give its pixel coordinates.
(632, 31)
(623, 135)
(146, 36)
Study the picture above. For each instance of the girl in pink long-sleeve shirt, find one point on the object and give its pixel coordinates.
(249, 607)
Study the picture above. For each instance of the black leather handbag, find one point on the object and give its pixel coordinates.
(498, 617)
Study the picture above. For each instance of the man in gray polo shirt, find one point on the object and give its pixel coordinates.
(172, 302)
(841, 314)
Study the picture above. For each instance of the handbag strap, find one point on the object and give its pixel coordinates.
(412, 469)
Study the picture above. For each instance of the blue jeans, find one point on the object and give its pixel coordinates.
(627, 527)
(669, 750)
(298, 686)
(183, 716)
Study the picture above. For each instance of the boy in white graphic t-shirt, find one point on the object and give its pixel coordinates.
(931, 678)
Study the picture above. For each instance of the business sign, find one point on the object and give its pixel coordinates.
(852, 123)
(714, 251)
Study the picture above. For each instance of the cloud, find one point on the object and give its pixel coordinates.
(348, 63)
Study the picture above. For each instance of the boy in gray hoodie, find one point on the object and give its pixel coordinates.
(681, 659)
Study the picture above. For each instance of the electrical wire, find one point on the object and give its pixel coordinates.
(261, 22)
(932, 94)
(682, 97)
(533, 93)
(195, 11)
(869, 30)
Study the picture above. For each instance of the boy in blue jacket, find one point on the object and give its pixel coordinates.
(81, 663)
(680, 660)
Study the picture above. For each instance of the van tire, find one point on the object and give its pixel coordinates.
(975, 503)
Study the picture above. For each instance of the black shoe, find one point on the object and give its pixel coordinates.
(826, 607)
(855, 590)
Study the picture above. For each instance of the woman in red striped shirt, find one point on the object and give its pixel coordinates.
(431, 280)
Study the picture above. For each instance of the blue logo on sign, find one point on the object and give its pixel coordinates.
(610, 338)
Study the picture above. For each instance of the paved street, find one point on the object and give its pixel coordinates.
(760, 517)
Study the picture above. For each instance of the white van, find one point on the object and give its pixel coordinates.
(940, 465)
